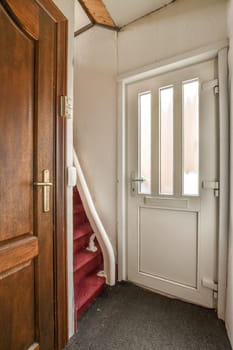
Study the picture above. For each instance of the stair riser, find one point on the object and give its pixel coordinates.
(87, 285)
(91, 267)
(81, 243)
(79, 219)
(88, 302)
(78, 207)
(76, 197)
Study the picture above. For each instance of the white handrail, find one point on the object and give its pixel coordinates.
(102, 237)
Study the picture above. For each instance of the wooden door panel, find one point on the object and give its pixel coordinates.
(16, 131)
(44, 141)
(32, 140)
(18, 243)
(26, 14)
(17, 309)
(17, 252)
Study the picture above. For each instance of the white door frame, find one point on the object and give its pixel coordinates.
(218, 50)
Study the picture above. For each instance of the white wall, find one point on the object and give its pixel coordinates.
(80, 17)
(67, 7)
(229, 309)
(183, 26)
(180, 27)
(95, 119)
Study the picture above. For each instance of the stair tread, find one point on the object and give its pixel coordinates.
(84, 257)
(83, 230)
(87, 284)
(88, 289)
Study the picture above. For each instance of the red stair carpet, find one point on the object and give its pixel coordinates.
(87, 285)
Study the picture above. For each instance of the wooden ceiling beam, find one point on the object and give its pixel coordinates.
(98, 13)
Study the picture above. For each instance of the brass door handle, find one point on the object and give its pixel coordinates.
(46, 189)
(42, 184)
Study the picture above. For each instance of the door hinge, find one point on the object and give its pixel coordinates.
(212, 84)
(207, 283)
(66, 107)
(211, 185)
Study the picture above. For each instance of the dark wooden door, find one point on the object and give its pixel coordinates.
(28, 146)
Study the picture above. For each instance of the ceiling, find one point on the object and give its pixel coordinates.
(125, 11)
(113, 14)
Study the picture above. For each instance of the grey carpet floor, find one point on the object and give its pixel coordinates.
(127, 317)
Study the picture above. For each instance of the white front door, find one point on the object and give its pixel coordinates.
(172, 166)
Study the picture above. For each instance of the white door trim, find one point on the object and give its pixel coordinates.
(224, 150)
(219, 50)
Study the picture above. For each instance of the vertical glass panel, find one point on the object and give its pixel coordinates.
(191, 137)
(144, 151)
(166, 140)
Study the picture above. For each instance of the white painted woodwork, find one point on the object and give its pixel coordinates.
(172, 240)
(96, 224)
(224, 183)
(162, 233)
(229, 306)
(67, 7)
(126, 11)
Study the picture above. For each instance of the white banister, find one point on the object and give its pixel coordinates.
(101, 235)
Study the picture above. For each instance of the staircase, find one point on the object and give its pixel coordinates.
(87, 285)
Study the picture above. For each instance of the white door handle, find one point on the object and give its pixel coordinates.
(137, 180)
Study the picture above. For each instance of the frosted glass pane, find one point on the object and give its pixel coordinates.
(145, 142)
(166, 141)
(191, 138)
